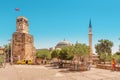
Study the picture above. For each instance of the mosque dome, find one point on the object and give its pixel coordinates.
(63, 43)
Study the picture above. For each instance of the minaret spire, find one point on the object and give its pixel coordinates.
(90, 25)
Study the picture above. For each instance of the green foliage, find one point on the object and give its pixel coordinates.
(55, 54)
(7, 48)
(63, 54)
(117, 53)
(1, 58)
(102, 57)
(117, 57)
(7, 51)
(81, 49)
(108, 58)
(104, 46)
(66, 54)
(75, 50)
(44, 53)
(70, 56)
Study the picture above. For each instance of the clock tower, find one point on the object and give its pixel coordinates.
(22, 42)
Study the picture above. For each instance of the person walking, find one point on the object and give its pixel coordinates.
(113, 64)
(88, 66)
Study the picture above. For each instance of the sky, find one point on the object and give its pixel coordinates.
(51, 21)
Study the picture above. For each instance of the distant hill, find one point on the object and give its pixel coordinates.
(44, 49)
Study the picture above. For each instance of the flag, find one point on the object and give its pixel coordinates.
(17, 9)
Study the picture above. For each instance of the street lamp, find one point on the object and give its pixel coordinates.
(119, 45)
(11, 56)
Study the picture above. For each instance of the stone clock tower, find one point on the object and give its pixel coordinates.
(22, 41)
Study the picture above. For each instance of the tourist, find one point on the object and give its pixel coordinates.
(113, 64)
(88, 65)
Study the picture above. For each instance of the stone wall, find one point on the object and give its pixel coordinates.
(23, 47)
(107, 67)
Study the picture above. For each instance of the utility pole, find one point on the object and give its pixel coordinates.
(11, 53)
(119, 44)
(11, 56)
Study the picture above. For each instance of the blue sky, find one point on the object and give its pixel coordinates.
(50, 21)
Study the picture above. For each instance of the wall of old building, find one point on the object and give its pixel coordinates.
(22, 42)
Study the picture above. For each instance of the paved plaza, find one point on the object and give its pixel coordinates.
(44, 72)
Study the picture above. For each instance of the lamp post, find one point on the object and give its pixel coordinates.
(11, 56)
(119, 45)
(8, 48)
(11, 53)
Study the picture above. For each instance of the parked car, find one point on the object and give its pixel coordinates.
(25, 62)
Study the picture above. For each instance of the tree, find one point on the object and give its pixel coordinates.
(43, 54)
(7, 51)
(103, 57)
(117, 57)
(117, 53)
(55, 54)
(63, 54)
(66, 53)
(108, 58)
(104, 46)
(80, 50)
(70, 55)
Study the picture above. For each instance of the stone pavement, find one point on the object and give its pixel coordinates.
(42, 72)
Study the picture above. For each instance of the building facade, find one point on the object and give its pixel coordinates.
(22, 42)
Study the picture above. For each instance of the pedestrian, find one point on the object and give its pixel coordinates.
(113, 64)
(88, 66)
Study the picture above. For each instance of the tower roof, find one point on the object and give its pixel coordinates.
(19, 17)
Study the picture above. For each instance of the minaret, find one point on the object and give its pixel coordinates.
(90, 39)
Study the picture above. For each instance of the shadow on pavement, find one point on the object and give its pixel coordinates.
(69, 71)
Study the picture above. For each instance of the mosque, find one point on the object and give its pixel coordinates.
(63, 43)
(66, 43)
